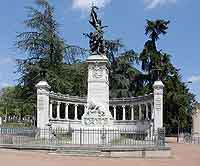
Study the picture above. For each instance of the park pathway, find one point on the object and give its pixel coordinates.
(183, 155)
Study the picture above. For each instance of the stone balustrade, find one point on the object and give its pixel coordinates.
(65, 107)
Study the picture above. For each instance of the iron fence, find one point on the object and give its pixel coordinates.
(190, 138)
(82, 137)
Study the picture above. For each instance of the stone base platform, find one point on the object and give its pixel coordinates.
(93, 151)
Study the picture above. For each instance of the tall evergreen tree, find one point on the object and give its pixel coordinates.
(150, 57)
(178, 100)
(46, 51)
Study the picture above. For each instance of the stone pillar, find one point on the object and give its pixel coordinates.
(147, 111)
(115, 112)
(42, 104)
(140, 112)
(85, 108)
(158, 104)
(58, 110)
(66, 111)
(51, 110)
(152, 111)
(76, 112)
(1, 121)
(124, 112)
(196, 120)
(132, 112)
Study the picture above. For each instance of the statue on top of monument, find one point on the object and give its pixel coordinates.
(97, 42)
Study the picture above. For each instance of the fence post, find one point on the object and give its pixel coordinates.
(80, 136)
(42, 104)
(161, 136)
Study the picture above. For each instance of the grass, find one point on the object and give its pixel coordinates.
(118, 140)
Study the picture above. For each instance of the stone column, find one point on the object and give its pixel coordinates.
(51, 110)
(152, 111)
(0, 120)
(58, 110)
(132, 112)
(147, 111)
(140, 112)
(124, 112)
(85, 108)
(76, 112)
(42, 104)
(196, 120)
(66, 111)
(158, 104)
(115, 112)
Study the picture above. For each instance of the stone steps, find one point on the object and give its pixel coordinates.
(78, 152)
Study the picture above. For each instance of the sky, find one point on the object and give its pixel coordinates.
(126, 20)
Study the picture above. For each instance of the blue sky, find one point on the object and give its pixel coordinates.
(126, 20)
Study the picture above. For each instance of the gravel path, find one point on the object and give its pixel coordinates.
(183, 155)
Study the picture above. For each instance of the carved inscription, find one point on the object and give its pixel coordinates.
(158, 103)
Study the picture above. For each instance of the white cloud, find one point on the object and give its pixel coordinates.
(151, 4)
(194, 78)
(84, 5)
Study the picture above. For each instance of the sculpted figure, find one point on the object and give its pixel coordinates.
(97, 43)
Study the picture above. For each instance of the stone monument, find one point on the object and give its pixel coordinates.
(97, 120)
(97, 113)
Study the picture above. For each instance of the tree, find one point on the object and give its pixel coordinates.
(154, 29)
(44, 46)
(150, 57)
(46, 50)
(178, 100)
(12, 105)
(42, 43)
(123, 76)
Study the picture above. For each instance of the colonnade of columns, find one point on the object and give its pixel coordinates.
(58, 110)
(143, 111)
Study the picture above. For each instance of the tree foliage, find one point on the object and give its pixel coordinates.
(46, 50)
(156, 64)
(12, 105)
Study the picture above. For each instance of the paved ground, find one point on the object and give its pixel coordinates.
(183, 155)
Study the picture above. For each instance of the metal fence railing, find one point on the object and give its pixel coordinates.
(189, 138)
(78, 137)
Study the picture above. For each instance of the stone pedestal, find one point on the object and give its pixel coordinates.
(158, 105)
(42, 104)
(97, 121)
(97, 113)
